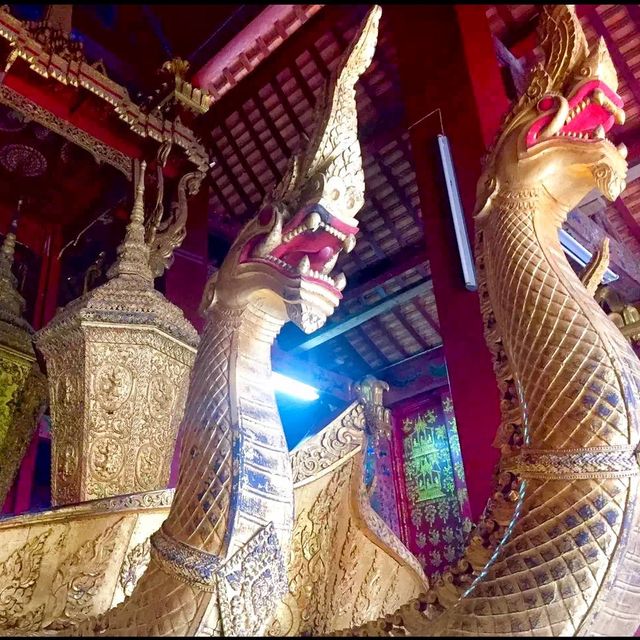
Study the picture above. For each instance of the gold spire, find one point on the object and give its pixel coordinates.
(10, 299)
(133, 253)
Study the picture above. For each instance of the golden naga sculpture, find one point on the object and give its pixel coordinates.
(23, 390)
(346, 565)
(61, 566)
(118, 361)
(557, 550)
(218, 563)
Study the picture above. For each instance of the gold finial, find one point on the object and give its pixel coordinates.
(133, 253)
(370, 392)
(10, 299)
(177, 66)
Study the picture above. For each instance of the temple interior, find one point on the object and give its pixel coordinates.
(270, 282)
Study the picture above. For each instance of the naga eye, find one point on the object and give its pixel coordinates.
(546, 104)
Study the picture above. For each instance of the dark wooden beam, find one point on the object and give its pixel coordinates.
(414, 375)
(222, 161)
(627, 216)
(406, 324)
(397, 188)
(259, 144)
(397, 345)
(357, 319)
(384, 270)
(419, 304)
(377, 352)
(362, 367)
(243, 161)
(618, 59)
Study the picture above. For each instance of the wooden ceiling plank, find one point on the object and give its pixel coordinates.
(404, 321)
(242, 158)
(259, 144)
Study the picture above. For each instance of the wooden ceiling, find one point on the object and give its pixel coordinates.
(389, 307)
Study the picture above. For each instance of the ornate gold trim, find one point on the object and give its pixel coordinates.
(340, 440)
(80, 74)
(100, 151)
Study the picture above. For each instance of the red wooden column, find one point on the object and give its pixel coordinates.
(447, 61)
(185, 280)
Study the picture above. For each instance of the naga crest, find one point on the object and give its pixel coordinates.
(555, 136)
(288, 251)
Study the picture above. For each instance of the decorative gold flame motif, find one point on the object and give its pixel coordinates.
(556, 551)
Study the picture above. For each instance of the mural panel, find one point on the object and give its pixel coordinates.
(434, 505)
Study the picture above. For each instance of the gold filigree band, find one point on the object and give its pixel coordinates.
(577, 464)
(185, 562)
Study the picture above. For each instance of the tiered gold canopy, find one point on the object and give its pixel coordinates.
(118, 362)
(22, 387)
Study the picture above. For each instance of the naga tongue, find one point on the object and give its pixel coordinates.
(325, 254)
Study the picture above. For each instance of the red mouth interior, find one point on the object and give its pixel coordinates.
(586, 114)
(320, 246)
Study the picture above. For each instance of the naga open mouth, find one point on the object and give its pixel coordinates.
(309, 247)
(587, 116)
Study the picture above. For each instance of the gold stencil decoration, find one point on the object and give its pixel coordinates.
(22, 385)
(118, 360)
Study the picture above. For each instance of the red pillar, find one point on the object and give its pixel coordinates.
(447, 61)
(185, 280)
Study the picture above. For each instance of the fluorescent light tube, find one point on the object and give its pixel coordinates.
(295, 388)
(464, 249)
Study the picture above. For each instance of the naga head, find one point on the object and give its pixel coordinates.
(286, 254)
(555, 136)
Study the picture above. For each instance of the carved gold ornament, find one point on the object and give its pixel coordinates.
(23, 392)
(118, 360)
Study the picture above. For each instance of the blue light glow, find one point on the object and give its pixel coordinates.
(295, 388)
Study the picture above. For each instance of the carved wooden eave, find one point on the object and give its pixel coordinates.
(130, 139)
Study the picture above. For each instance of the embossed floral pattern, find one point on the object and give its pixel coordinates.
(438, 509)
